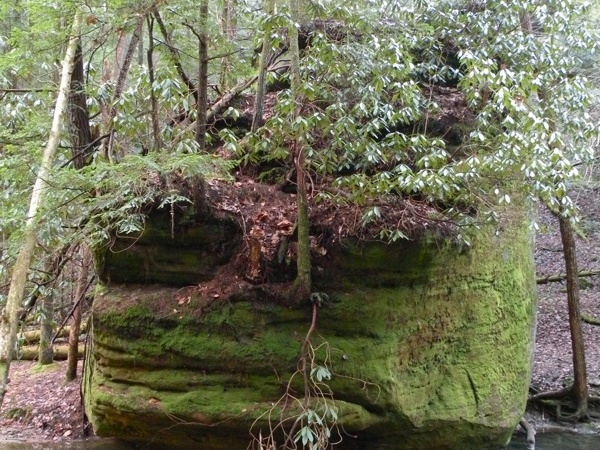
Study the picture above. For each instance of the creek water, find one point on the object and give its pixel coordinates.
(544, 441)
(558, 441)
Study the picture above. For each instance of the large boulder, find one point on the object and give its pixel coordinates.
(429, 344)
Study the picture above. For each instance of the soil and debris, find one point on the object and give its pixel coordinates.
(39, 405)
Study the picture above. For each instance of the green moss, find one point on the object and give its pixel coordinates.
(426, 343)
(41, 368)
(178, 253)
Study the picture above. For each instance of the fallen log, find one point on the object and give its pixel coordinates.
(562, 277)
(225, 101)
(586, 318)
(31, 352)
(33, 336)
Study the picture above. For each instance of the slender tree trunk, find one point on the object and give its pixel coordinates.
(79, 118)
(33, 336)
(155, 123)
(228, 30)
(120, 84)
(580, 384)
(202, 103)
(46, 352)
(174, 54)
(303, 284)
(141, 55)
(10, 313)
(261, 85)
(76, 319)
(45, 279)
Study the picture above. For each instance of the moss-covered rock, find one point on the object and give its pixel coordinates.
(171, 250)
(429, 345)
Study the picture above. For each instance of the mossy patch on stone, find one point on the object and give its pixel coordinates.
(429, 345)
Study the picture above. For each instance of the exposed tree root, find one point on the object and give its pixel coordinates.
(561, 393)
(581, 414)
(530, 433)
(564, 399)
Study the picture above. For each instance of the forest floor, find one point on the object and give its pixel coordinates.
(39, 405)
(553, 364)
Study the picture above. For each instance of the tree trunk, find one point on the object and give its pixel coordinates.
(53, 269)
(580, 384)
(46, 278)
(561, 277)
(220, 105)
(141, 52)
(303, 284)
(79, 118)
(10, 314)
(46, 353)
(33, 336)
(123, 64)
(174, 54)
(52, 272)
(30, 352)
(202, 103)
(261, 85)
(228, 30)
(76, 319)
(154, 102)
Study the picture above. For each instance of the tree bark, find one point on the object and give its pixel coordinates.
(228, 29)
(123, 65)
(45, 279)
(580, 384)
(202, 102)
(33, 336)
(76, 319)
(154, 102)
(30, 352)
(261, 85)
(10, 313)
(303, 284)
(561, 277)
(79, 118)
(174, 54)
(46, 354)
(225, 100)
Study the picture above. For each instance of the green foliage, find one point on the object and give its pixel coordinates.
(114, 198)
(102, 198)
(315, 434)
(371, 79)
(370, 95)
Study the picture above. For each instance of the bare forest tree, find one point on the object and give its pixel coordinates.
(125, 52)
(202, 101)
(303, 284)
(257, 119)
(10, 314)
(80, 291)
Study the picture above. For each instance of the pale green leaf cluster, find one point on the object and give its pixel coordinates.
(369, 91)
